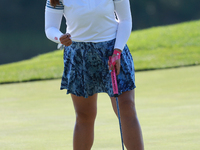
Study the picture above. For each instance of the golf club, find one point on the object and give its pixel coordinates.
(115, 91)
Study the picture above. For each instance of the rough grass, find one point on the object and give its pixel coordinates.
(154, 48)
(38, 116)
(42, 67)
(166, 47)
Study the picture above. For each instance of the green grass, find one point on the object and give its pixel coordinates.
(154, 48)
(38, 116)
(167, 46)
(46, 66)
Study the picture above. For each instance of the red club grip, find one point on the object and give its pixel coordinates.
(113, 77)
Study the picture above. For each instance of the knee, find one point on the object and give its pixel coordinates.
(127, 107)
(85, 116)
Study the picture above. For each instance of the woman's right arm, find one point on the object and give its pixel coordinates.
(53, 18)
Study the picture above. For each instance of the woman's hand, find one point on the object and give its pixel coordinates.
(65, 39)
(117, 61)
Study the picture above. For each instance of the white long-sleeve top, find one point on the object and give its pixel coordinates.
(90, 20)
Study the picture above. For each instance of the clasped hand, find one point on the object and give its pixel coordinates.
(65, 39)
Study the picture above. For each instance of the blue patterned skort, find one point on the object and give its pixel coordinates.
(86, 69)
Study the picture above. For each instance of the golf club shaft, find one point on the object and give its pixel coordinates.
(118, 112)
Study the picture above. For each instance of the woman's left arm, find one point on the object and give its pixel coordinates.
(123, 13)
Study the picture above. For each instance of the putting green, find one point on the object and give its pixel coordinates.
(38, 116)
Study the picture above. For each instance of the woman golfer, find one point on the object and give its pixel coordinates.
(96, 29)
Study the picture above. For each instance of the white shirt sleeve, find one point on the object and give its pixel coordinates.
(53, 18)
(123, 12)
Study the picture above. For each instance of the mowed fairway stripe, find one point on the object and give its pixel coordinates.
(38, 116)
(168, 103)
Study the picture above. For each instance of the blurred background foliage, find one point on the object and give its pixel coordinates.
(22, 23)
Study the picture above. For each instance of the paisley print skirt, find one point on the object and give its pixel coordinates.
(86, 69)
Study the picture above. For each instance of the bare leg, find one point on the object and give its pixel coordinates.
(131, 130)
(86, 110)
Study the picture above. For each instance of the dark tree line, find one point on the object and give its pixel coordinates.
(29, 15)
(148, 13)
(25, 19)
